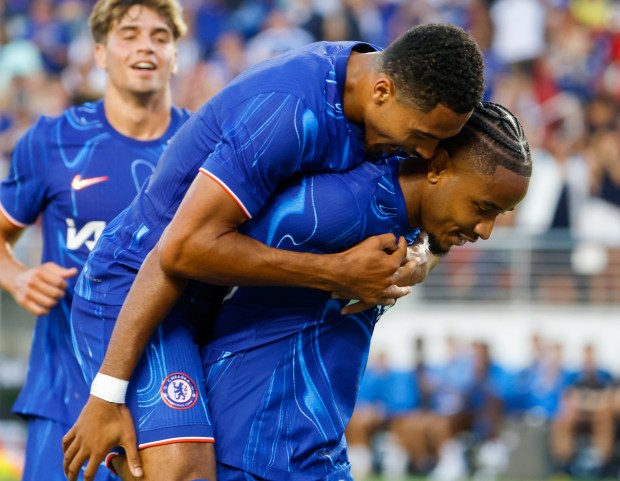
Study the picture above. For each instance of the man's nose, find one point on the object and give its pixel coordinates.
(427, 149)
(484, 228)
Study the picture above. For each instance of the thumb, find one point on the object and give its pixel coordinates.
(69, 272)
(61, 271)
(402, 249)
(387, 242)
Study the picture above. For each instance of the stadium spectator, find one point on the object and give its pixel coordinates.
(371, 414)
(585, 409)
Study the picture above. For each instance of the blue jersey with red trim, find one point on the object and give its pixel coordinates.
(78, 173)
(284, 367)
(277, 119)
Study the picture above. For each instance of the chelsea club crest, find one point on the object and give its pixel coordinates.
(179, 391)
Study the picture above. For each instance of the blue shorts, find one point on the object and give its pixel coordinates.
(230, 473)
(44, 456)
(166, 395)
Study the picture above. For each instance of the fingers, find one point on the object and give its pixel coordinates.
(39, 289)
(69, 449)
(130, 443)
(387, 242)
(356, 308)
(74, 459)
(413, 271)
(100, 427)
(70, 273)
(391, 294)
(60, 271)
(396, 292)
(92, 467)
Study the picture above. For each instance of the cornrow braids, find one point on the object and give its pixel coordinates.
(492, 136)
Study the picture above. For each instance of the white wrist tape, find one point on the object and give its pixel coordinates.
(109, 388)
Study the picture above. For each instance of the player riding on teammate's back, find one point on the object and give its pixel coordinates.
(325, 107)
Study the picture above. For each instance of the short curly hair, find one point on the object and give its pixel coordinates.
(436, 64)
(106, 13)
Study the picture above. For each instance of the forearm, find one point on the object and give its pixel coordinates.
(150, 299)
(202, 243)
(254, 263)
(10, 267)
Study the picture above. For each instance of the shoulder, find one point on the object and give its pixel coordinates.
(300, 72)
(180, 115)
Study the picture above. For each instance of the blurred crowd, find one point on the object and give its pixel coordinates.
(449, 421)
(555, 63)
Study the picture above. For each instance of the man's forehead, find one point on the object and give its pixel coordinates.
(135, 17)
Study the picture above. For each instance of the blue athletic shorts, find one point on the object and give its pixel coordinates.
(166, 395)
(44, 456)
(230, 473)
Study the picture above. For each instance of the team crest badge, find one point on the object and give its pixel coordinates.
(179, 391)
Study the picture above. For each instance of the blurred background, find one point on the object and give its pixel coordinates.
(505, 363)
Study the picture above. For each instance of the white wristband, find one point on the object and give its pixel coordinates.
(109, 388)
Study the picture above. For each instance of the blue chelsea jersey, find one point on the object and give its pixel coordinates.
(78, 173)
(276, 119)
(284, 366)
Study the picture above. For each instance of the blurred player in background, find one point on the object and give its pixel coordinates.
(79, 171)
(327, 106)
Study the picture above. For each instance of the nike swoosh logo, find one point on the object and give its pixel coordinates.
(78, 183)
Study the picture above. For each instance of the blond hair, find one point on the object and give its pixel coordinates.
(106, 13)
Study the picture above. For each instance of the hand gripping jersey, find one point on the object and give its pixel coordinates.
(78, 172)
(284, 367)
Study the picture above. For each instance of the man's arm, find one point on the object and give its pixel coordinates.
(202, 243)
(36, 289)
(103, 425)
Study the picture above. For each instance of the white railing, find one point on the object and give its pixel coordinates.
(517, 268)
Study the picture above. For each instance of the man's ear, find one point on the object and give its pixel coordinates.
(383, 88)
(100, 58)
(438, 165)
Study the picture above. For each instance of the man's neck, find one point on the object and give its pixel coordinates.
(411, 177)
(358, 85)
(145, 118)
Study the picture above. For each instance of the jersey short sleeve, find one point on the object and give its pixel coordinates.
(22, 193)
(265, 139)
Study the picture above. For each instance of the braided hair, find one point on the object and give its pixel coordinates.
(492, 136)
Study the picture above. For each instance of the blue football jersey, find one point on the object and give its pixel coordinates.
(277, 119)
(78, 173)
(284, 366)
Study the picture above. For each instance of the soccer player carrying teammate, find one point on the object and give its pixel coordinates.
(283, 366)
(79, 171)
(328, 106)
